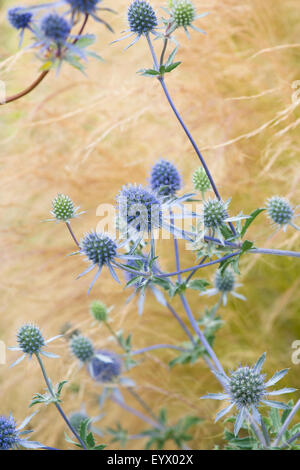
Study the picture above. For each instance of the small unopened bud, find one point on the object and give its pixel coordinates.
(99, 311)
(201, 181)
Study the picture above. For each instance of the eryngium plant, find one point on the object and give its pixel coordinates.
(245, 388)
(217, 240)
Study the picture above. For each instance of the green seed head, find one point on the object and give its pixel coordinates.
(214, 212)
(183, 12)
(200, 180)
(246, 387)
(82, 348)
(63, 208)
(279, 210)
(30, 339)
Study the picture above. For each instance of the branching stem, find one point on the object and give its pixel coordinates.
(41, 77)
(59, 408)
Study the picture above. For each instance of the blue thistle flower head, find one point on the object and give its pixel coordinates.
(8, 433)
(225, 282)
(99, 248)
(246, 387)
(19, 18)
(30, 339)
(214, 213)
(279, 210)
(55, 28)
(82, 348)
(105, 366)
(165, 178)
(83, 6)
(139, 207)
(141, 17)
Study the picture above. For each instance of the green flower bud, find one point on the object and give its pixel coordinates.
(201, 181)
(99, 311)
(183, 12)
(63, 208)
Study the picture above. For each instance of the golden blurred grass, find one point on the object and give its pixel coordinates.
(89, 136)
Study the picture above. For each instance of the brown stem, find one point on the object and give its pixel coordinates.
(72, 234)
(27, 90)
(82, 27)
(42, 75)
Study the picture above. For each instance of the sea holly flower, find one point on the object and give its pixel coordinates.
(201, 181)
(142, 21)
(21, 19)
(82, 348)
(281, 212)
(56, 43)
(63, 209)
(214, 218)
(246, 389)
(141, 212)
(101, 250)
(31, 342)
(11, 434)
(183, 14)
(105, 366)
(88, 7)
(83, 6)
(165, 178)
(139, 208)
(225, 283)
(55, 28)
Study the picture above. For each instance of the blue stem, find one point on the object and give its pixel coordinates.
(201, 336)
(181, 323)
(158, 346)
(164, 87)
(190, 315)
(199, 266)
(136, 413)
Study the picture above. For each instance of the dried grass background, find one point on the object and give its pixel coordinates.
(87, 137)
